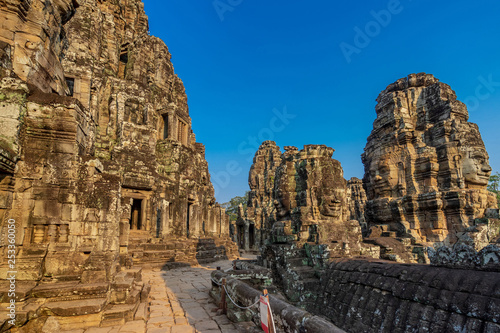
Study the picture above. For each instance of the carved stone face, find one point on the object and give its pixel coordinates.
(283, 203)
(331, 204)
(384, 177)
(475, 167)
(282, 195)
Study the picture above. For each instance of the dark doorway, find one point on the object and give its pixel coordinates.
(136, 214)
(251, 235)
(158, 223)
(165, 126)
(187, 218)
(70, 82)
(122, 64)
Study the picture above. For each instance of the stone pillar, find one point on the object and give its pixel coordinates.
(135, 219)
(247, 236)
(38, 234)
(194, 220)
(124, 235)
(63, 233)
(164, 218)
(257, 239)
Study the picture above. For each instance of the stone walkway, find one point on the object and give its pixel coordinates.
(180, 303)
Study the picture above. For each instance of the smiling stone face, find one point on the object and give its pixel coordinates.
(332, 203)
(383, 177)
(475, 167)
(282, 192)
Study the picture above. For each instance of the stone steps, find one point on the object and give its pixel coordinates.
(297, 262)
(192, 251)
(297, 253)
(310, 283)
(118, 314)
(305, 272)
(77, 307)
(69, 289)
(23, 290)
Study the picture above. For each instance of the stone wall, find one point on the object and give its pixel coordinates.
(376, 296)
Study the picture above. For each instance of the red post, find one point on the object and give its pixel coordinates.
(269, 315)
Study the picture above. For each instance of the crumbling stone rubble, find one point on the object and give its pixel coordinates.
(464, 256)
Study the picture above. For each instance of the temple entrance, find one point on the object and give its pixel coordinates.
(136, 215)
(142, 217)
(122, 64)
(70, 82)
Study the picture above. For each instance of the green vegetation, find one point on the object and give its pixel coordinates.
(494, 185)
(232, 206)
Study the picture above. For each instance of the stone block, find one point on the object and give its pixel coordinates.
(74, 308)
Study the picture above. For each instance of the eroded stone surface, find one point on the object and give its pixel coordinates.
(368, 296)
(302, 204)
(357, 202)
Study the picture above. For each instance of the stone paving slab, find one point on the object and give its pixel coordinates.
(189, 286)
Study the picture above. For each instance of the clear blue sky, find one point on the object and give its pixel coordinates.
(244, 62)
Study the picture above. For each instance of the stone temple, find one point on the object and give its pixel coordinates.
(99, 166)
(102, 182)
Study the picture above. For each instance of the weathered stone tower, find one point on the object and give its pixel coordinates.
(426, 167)
(300, 197)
